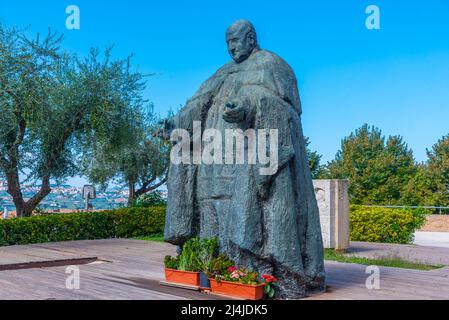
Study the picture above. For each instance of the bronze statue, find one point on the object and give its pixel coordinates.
(268, 222)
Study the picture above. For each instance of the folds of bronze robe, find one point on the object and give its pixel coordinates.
(269, 223)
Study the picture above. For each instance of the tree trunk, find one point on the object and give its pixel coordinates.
(15, 192)
(132, 192)
(25, 209)
(146, 188)
(44, 191)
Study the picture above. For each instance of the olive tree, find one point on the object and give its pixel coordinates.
(53, 107)
(141, 164)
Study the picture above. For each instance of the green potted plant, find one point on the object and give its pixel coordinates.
(198, 265)
(185, 268)
(207, 253)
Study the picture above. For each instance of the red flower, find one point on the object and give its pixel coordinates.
(232, 269)
(269, 278)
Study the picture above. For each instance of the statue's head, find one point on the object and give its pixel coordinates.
(242, 40)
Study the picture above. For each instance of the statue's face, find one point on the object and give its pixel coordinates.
(241, 44)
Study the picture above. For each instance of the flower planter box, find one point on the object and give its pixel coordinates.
(238, 290)
(204, 282)
(182, 277)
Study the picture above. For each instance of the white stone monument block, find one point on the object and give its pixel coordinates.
(333, 203)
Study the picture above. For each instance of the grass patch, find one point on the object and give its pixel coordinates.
(332, 255)
(157, 238)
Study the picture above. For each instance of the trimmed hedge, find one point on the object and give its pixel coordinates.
(385, 225)
(120, 223)
(367, 224)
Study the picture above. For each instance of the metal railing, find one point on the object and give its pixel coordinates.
(436, 210)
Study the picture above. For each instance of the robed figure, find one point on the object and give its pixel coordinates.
(267, 222)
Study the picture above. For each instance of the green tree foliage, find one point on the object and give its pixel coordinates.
(430, 185)
(419, 190)
(314, 161)
(438, 173)
(379, 169)
(141, 163)
(54, 105)
(151, 199)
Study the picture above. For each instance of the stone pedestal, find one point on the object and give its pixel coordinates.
(333, 203)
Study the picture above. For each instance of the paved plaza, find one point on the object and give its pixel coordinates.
(132, 269)
(432, 239)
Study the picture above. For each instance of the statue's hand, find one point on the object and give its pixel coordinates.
(234, 112)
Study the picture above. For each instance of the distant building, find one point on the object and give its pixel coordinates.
(67, 198)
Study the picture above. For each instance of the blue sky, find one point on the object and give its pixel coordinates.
(396, 78)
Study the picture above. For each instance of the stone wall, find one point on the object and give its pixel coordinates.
(333, 203)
